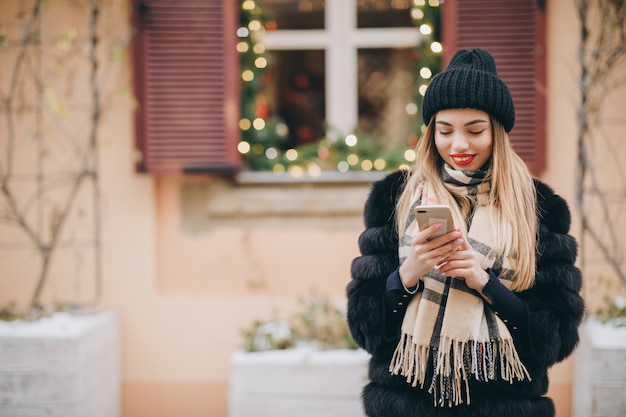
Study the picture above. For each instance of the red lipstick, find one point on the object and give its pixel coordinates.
(462, 159)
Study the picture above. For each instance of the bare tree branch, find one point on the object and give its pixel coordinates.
(41, 186)
(29, 36)
(602, 53)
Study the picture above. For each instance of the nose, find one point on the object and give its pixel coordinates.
(460, 143)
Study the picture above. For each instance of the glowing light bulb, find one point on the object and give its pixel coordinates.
(282, 129)
(243, 147)
(296, 171)
(248, 5)
(352, 159)
(291, 155)
(380, 164)
(258, 123)
(247, 75)
(271, 153)
(245, 124)
(260, 62)
(417, 14)
(254, 25)
(314, 170)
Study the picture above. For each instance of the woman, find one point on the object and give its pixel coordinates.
(468, 323)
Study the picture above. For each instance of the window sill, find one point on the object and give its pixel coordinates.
(326, 177)
(334, 198)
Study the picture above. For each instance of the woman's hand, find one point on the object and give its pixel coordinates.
(426, 254)
(463, 264)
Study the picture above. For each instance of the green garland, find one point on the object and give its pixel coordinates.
(263, 135)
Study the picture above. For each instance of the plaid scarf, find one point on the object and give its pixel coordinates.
(448, 322)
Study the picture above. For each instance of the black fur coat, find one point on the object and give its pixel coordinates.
(554, 305)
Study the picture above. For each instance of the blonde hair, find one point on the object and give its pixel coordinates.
(512, 201)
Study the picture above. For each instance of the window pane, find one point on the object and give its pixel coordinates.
(294, 14)
(383, 13)
(386, 95)
(294, 90)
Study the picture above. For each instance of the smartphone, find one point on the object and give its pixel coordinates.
(428, 215)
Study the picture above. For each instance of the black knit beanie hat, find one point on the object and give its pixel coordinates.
(470, 81)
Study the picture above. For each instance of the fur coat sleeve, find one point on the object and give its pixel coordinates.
(379, 257)
(555, 307)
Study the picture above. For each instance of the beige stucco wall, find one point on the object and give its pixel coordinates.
(562, 35)
(190, 261)
(562, 76)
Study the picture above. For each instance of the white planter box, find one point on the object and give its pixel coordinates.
(599, 379)
(301, 382)
(61, 366)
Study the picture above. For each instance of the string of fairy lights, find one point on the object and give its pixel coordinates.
(263, 135)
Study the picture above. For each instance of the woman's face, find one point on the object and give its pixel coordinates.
(463, 138)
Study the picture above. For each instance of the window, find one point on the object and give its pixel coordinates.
(337, 67)
(333, 61)
(341, 67)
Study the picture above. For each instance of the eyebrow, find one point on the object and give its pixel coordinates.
(472, 122)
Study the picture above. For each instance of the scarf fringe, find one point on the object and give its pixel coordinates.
(454, 363)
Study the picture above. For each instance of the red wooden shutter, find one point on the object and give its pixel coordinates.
(514, 32)
(186, 84)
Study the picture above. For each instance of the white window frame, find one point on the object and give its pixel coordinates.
(341, 40)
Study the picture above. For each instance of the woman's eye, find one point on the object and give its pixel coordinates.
(444, 133)
(476, 132)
